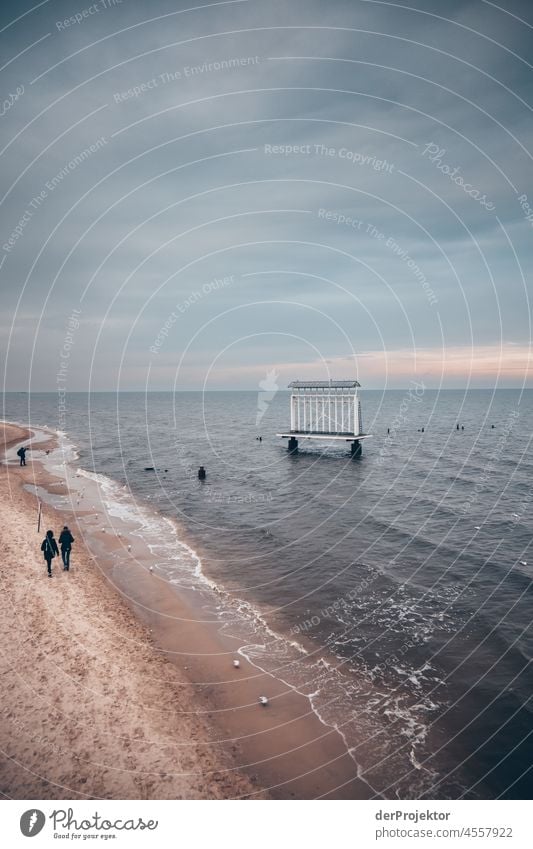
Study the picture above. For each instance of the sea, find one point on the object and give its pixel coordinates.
(393, 589)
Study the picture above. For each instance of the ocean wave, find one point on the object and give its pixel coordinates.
(345, 697)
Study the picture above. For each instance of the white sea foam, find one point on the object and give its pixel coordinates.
(178, 560)
(338, 699)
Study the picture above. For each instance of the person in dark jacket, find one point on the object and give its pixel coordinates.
(22, 454)
(49, 549)
(65, 541)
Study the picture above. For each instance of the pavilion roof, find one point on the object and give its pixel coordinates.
(324, 384)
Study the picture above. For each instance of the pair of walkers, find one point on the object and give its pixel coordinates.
(50, 549)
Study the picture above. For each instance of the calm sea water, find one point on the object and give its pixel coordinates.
(406, 574)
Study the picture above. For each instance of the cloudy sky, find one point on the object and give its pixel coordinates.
(194, 195)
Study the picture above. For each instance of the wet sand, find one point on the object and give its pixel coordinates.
(114, 689)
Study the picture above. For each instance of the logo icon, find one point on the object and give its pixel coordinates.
(32, 822)
(269, 388)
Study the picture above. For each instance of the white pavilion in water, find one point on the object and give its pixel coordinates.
(326, 410)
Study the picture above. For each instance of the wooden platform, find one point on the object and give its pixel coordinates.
(346, 437)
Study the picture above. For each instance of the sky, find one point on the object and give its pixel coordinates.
(199, 195)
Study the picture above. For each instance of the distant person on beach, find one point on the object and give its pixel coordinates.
(201, 474)
(49, 549)
(22, 454)
(65, 541)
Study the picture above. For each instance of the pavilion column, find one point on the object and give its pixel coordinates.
(325, 410)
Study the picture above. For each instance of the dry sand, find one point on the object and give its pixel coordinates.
(135, 700)
(88, 708)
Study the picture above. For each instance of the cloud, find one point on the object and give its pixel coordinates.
(185, 188)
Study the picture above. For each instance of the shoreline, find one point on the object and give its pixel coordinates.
(90, 709)
(281, 751)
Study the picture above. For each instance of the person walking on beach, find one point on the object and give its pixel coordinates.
(49, 549)
(65, 541)
(22, 454)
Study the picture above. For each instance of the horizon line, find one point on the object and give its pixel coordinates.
(255, 389)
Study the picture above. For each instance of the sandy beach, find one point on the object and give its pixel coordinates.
(89, 708)
(111, 689)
